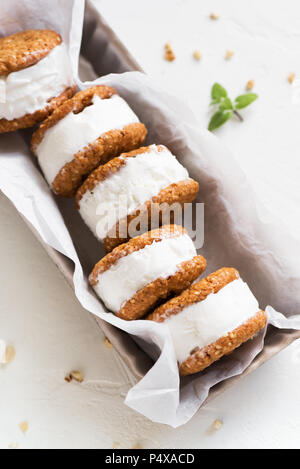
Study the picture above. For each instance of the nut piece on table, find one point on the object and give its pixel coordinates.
(197, 55)
(76, 375)
(13, 445)
(250, 85)
(218, 424)
(107, 343)
(7, 353)
(291, 78)
(229, 54)
(24, 426)
(169, 54)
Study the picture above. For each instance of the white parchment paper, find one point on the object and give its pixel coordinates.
(238, 231)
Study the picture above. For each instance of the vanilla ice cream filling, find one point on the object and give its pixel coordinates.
(120, 194)
(131, 273)
(203, 323)
(29, 90)
(76, 131)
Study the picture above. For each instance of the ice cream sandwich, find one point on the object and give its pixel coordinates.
(137, 276)
(136, 188)
(35, 78)
(91, 128)
(211, 319)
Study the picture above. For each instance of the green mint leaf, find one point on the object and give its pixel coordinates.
(225, 104)
(218, 119)
(244, 100)
(218, 92)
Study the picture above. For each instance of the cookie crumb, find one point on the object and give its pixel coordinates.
(24, 426)
(250, 85)
(76, 375)
(218, 424)
(291, 78)
(107, 343)
(169, 54)
(214, 16)
(229, 54)
(10, 354)
(197, 55)
(137, 446)
(116, 445)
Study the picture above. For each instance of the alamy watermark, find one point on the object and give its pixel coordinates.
(116, 223)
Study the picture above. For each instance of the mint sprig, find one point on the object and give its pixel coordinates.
(225, 107)
(244, 100)
(219, 118)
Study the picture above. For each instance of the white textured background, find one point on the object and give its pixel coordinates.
(52, 334)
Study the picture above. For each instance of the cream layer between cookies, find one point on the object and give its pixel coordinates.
(120, 194)
(29, 90)
(203, 323)
(131, 273)
(76, 131)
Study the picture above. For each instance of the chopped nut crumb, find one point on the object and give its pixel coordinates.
(107, 343)
(217, 424)
(76, 375)
(291, 78)
(250, 85)
(2, 351)
(197, 55)
(10, 354)
(24, 426)
(214, 16)
(13, 445)
(229, 54)
(169, 54)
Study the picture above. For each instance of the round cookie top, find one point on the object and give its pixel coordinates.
(197, 292)
(104, 171)
(76, 104)
(24, 49)
(135, 244)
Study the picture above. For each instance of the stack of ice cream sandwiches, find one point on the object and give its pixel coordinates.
(89, 145)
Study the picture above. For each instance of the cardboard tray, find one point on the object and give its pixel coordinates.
(100, 41)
